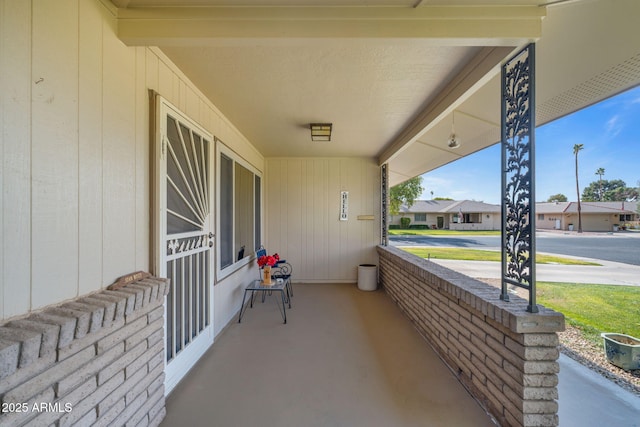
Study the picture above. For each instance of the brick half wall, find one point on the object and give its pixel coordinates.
(97, 360)
(506, 357)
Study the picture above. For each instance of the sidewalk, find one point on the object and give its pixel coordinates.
(587, 399)
(609, 273)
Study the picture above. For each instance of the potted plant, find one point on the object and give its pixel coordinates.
(622, 350)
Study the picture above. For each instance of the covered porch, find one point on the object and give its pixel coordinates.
(433, 347)
(124, 120)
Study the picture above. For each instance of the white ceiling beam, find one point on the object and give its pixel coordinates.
(454, 25)
(474, 75)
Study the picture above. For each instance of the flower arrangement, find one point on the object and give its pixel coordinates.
(265, 262)
(269, 260)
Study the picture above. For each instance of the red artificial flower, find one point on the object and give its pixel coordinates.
(269, 260)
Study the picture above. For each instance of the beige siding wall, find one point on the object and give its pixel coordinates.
(75, 163)
(302, 216)
(591, 222)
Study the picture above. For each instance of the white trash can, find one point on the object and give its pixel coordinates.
(367, 277)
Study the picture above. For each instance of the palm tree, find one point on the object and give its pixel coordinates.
(600, 172)
(576, 149)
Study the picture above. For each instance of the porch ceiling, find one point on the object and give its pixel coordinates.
(387, 73)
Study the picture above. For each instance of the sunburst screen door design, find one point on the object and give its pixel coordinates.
(185, 237)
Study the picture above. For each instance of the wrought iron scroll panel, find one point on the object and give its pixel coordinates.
(384, 207)
(518, 204)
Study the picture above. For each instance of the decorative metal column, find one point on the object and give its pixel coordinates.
(518, 167)
(384, 204)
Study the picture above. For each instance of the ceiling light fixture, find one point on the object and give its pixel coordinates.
(453, 141)
(320, 131)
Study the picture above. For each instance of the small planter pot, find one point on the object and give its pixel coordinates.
(622, 350)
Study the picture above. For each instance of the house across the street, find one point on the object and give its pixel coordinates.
(451, 214)
(472, 215)
(596, 216)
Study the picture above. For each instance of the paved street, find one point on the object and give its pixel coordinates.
(623, 247)
(618, 255)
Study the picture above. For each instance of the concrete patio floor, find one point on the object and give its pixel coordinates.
(345, 358)
(350, 358)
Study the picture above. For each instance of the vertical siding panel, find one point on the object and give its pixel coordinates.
(279, 187)
(291, 207)
(142, 165)
(15, 157)
(369, 207)
(90, 147)
(313, 239)
(153, 71)
(271, 199)
(192, 105)
(326, 215)
(165, 82)
(323, 244)
(205, 113)
(354, 179)
(306, 234)
(317, 236)
(369, 203)
(343, 225)
(180, 88)
(333, 217)
(118, 158)
(320, 215)
(54, 251)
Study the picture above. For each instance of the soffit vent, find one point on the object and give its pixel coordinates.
(611, 82)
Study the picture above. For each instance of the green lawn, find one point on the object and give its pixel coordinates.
(591, 308)
(594, 308)
(483, 255)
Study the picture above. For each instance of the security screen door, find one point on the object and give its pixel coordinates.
(185, 194)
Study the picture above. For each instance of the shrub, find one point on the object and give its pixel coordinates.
(419, 227)
(404, 222)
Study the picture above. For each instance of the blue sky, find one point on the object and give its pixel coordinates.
(609, 130)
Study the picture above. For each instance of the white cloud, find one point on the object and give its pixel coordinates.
(614, 127)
